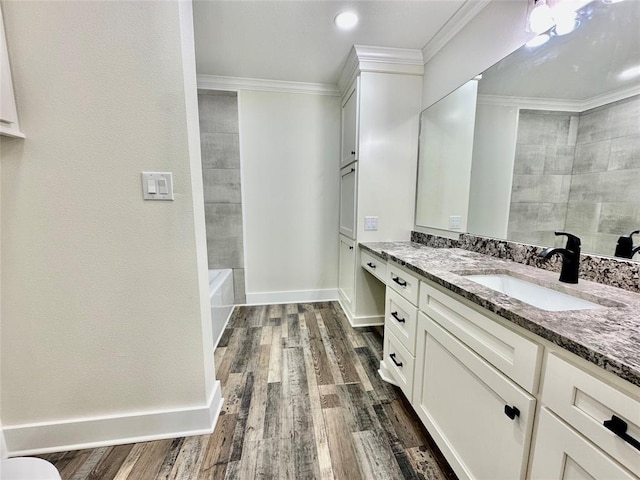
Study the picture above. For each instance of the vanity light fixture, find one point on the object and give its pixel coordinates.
(346, 20)
(541, 18)
(566, 20)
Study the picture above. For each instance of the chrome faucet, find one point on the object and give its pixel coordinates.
(625, 248)
(570, 257)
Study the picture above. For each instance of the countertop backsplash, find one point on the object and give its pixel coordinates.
(605, 270)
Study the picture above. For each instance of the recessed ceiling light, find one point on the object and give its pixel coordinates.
(346, 20)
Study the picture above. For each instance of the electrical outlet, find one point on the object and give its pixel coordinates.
(455, 222)
(371, 223)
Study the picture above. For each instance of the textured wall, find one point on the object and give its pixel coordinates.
(102, 308)
(220, 141)
(579, 175)
(542, 168)
(290, 144)
(604, 201)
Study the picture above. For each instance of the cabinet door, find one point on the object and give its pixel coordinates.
(346, 284)
(467, 406)
(560, 453)
(348, 192)
(350, 127)
(8, 114)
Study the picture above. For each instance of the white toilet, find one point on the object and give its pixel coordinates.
(27, 468)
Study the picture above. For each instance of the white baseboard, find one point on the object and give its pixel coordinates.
(292, 296)
(76, 434)
(357, 322)
(3, 445)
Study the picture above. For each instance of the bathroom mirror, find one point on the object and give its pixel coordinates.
(555, 140)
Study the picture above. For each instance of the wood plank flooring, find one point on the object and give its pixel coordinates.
(302, 400)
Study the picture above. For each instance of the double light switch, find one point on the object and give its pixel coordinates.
(157, 185)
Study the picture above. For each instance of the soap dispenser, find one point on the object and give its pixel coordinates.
(625, 248)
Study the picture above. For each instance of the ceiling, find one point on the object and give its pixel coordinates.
(579, 66)
(296, 40)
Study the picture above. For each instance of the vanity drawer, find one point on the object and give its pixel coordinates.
(514, 355)
(586, 402)
(403, 282)
(373, 264)
(399, 362)
(401, 317)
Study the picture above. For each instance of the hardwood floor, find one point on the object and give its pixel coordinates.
(302, 400)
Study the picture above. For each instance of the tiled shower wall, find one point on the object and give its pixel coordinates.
(545, 147)
(581, 175)
(219, 139)
(604, 200)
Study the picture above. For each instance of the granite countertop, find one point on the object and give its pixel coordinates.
(608, 337)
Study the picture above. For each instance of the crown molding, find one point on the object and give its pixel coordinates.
(234, 84)
(531, 103)
(464, 15)
(364, 58)
(556, 105)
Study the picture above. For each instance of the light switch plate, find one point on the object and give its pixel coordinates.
(371, 223)
(455, 222)
(155, 184)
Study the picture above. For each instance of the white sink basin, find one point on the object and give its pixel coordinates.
(535, 295)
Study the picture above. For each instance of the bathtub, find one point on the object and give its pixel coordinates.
(221, 296)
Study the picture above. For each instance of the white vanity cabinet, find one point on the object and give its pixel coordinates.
(499, 401)
(478, 415)
(400, 322)
(382, 92)
(8, 113)
(572, 440)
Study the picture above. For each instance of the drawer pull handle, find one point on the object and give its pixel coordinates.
(399, 281)
(619, 427)
(371, 265)
(393, 357)
(511, 412)
(399, 319)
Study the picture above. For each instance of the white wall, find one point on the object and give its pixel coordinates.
(499, 29)
(494, 149)
(289, 149)
(104, 304)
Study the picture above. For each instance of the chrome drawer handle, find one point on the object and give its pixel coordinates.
(619, 427)
(399, 281)
(399, 319)
(393, 357)
(371, 265)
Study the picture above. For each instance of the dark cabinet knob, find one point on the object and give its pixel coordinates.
(353, 153)
(511, 412)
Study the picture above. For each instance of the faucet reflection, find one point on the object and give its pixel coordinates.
(625, 248)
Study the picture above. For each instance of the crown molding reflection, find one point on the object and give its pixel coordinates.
(556, 105)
